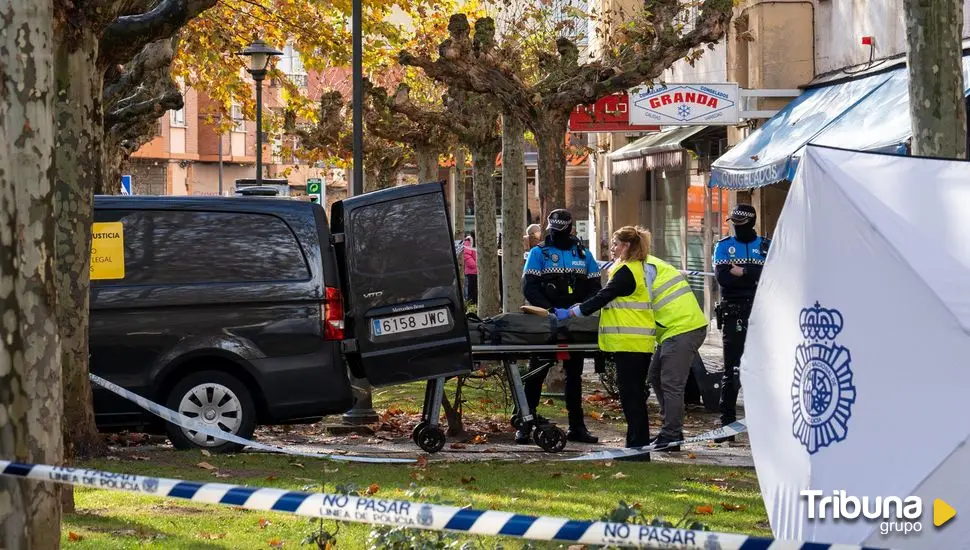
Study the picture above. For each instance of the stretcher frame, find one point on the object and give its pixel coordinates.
(428, 434)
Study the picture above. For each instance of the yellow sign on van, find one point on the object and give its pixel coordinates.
(108, 251)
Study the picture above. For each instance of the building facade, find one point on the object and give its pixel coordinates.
(806, 74)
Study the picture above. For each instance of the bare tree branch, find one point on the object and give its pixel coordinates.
(127, 35)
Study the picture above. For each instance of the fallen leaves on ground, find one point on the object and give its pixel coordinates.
(707, 509)
(206, 465)
(596, 397)
(206, 453)
(596, 415)
(548, 402)
(458, 446)
(733, 507)
(74, 537)
(372, 489)
(479, 439)
(619, 475)
(275, 543)
(588, 475)
(691, 456)
(416, 476)
(221, 474)
(264, 523)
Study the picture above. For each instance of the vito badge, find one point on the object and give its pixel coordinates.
(822, 392)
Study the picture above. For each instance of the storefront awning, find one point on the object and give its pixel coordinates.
(659, 150)
(880, 122)
(877, 120)
(765, 156)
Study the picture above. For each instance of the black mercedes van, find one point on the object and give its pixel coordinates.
(228, 310)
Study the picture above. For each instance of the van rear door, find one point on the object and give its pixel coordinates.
(405, 314)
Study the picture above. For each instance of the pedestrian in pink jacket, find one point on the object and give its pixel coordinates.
(471, 271)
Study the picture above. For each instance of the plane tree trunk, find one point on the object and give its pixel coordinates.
(934, 30)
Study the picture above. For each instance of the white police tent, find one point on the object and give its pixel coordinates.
(857, 362)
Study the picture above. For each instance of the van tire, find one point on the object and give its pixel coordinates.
(197, 392)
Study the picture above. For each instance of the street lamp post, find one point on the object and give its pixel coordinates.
(259, 55)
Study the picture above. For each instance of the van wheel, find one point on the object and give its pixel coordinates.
(218, 400)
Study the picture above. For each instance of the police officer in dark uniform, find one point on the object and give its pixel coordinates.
(738, 261)
(560, 273)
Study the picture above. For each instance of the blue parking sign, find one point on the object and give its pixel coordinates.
(126, 185)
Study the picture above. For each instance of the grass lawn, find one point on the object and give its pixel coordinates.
(723, 499)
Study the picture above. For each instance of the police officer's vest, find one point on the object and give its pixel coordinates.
(675, 308)
(626, 323)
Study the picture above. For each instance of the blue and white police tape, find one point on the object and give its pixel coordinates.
(606, 265)
(404, 513)
(192, 424)
(733, 428)
(693, 273)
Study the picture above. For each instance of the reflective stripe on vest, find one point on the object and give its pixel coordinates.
(674, 304)
(626, 323)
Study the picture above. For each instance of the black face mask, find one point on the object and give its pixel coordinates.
(561, 239)
(745, 232)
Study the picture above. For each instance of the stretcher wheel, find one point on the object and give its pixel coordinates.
(430, 439)
(417, 429)
(550, 438)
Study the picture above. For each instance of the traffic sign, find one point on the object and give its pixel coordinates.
(126, 185)
(314, 188)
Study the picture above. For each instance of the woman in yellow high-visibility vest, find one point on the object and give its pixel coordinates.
(627, 327)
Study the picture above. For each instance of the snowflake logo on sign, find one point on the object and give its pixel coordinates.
(822, 391)
(684, 103)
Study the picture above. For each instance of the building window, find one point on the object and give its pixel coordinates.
(292, 65)
(239, 122)
(178, 118)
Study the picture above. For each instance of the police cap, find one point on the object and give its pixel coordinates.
(559, 220)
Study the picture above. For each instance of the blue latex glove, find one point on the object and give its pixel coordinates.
(561, 314)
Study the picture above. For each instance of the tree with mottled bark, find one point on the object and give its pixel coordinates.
(30, 357)
(95, 41)
(428, 141)
(560, 81)
(934, 31)
(331, 138)
(513, 211)
(472, 118)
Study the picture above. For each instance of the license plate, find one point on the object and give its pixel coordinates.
(409, 322)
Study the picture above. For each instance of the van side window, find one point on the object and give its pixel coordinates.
(189, 247)
(380, 253)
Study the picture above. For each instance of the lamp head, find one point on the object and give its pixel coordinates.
(259, 54)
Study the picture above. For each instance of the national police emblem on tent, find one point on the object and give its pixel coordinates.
(425, 517)
(149, 484)
(822, 391)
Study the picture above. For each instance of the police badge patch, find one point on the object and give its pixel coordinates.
(555, 257)
(822, 391)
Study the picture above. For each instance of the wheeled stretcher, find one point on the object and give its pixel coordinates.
(428, 434)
